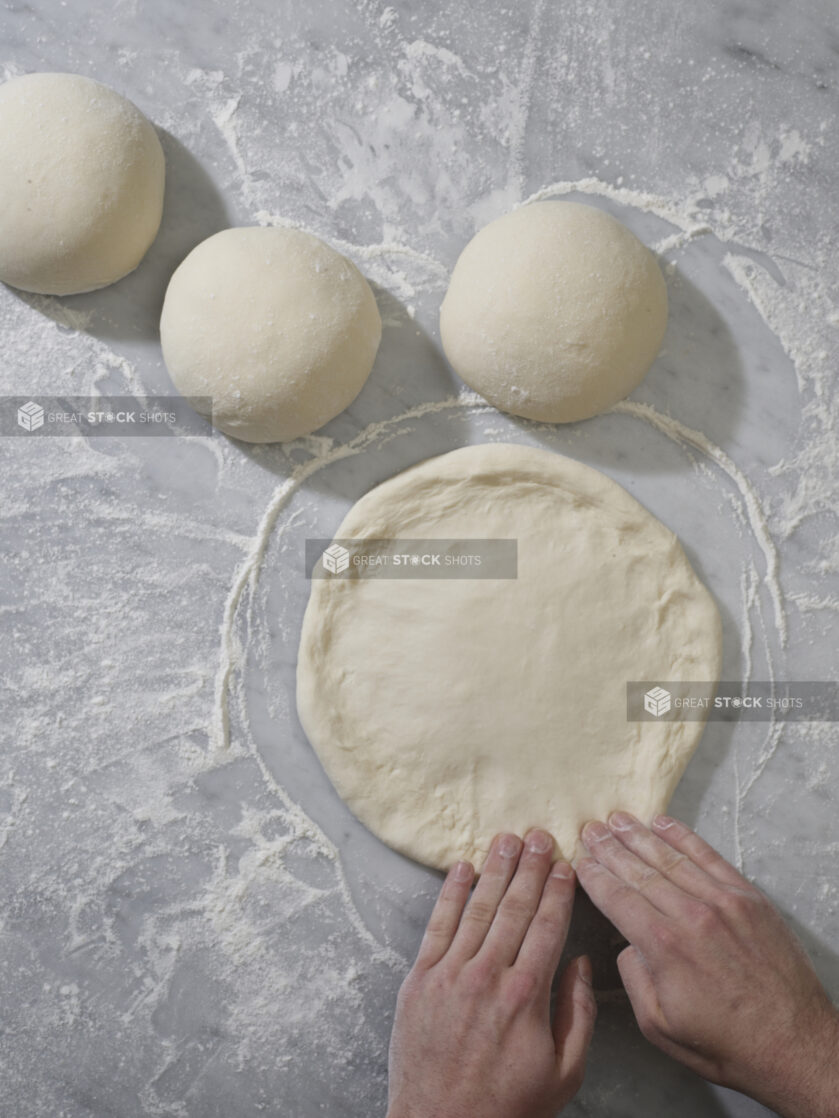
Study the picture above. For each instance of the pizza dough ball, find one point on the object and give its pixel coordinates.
(81, 178)
(554, 312)
(277, 327)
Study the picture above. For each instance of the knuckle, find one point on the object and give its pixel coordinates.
(521, 987)
(701, 917)
(648, 1027)
(409, 989)
(670, 861)
(549, 923)
(705, 857)
(742, 904)
(428, 952)
(440, 982)
(477, 975)
(435, 927)
(645, 877)
(479, 912)
(432, 935)
(431, 985)
(586, 865)
(520, 909)
(664, 937)
(442, 975)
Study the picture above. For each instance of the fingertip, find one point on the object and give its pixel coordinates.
(622, 821)
(507, 845)
(594, 831)
(537, 841)
(562, 870)
(462, 872)
(664, 822)
(503, 852)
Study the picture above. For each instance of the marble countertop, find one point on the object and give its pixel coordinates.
(193, 924)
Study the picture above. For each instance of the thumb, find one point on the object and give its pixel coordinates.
(574, 1018)
(638, 983)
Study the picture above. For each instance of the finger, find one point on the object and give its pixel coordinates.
(660, 891)
(573, 1026)
(445, 916)
(640, 988)
(545, 938)
(683, 839)
(638, 983)
(668, 861)
(632, 913)
(521, 901)
(497, 871)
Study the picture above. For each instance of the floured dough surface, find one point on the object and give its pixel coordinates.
(278, 328)
(445, 711)
(554, 312)
(81, 178)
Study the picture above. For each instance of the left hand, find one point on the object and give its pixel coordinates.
(472, 1036)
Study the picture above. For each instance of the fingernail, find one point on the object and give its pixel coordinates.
(663, 822)
(538, 842)
(563, 870)
(462, 871)
(621, 821)
(584, 969)
(595, 831)
(508, 846)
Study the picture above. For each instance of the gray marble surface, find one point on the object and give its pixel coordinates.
(193, 925)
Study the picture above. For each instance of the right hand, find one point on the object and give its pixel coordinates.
(715, 977)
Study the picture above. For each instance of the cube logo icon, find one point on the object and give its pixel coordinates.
(336, 559)
(31, 416)
(657, 701)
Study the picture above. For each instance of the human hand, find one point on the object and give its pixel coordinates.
(472, 1036)
(715, 977)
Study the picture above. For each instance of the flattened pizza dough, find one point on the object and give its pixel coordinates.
(445, 711)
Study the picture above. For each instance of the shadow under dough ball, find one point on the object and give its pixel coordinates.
(554, 312)
(81, 178)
